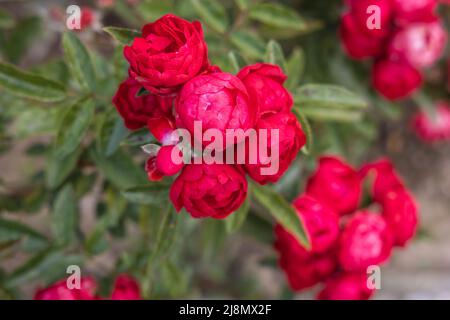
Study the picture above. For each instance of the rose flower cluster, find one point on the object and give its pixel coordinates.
(125, 288)
(346, 236)
(402, 36)
(172, 85)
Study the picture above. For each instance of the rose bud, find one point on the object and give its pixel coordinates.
(281, 152)
(125, 288)
(381, 178)
(346, 286)
(303, 269)
(265, 83)
(395, 79)
(336, 184)
(366, 240)
(137, 111)
(169, 160)
(60, 291)
(421, 44)
(153, 174)
(362, 16)
(435, 126)
(400, 212)
(217, 101)
(321, 223)
(209, 190)
(170, 52)
(407, 11)
(357, 44)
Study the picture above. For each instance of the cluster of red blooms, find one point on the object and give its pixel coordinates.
(433, 126)
(345, 238)
(410, 38)
(170, 61)
(125, 288)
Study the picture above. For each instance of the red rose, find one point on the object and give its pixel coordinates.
(366, 240)
(336, 184)
(407, 11)
(400, 212)
(357, 43)
(125, 288)
(303, 269)
(219, 100)
(291, 140)
(213, 190)
(321, 223)
(60, 291)
(421, 44)
(346, 286)
(359, 10)
(265, 83)
(382, 178)
(435, 126)
(171, 52)
(395, 79)
(137, 111)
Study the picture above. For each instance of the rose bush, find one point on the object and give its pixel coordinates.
(91, 119)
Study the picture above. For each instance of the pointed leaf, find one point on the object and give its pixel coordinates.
(123, 35)
(250, 44)
(79, 61)
(13, 230)
(283, 212)
(277, 15)
(212, 13)
(29, 85)
(235, 220)
(294, 68)
(73, 126)
(328, 96)
(65, 216)
(275, 55)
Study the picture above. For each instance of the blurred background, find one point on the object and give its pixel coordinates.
(206, 260)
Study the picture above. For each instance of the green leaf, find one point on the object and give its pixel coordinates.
(155, 193)
(237, 218)
(73, 127)
(118, 134)
(295, 67)
(283, 212)
(328, 96)
(119, 169)
(64, 217)
(250, 44)
(47, 266)
(237, 62)
(166, 234)
(275, 55)
(29, 85)
(110, 134)
(277, 15)
(79, 61)
(327, 114)
(306, 129)
(123, 35)
(6, 21)
(212, 13)
(58, 169)
(13, 230)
